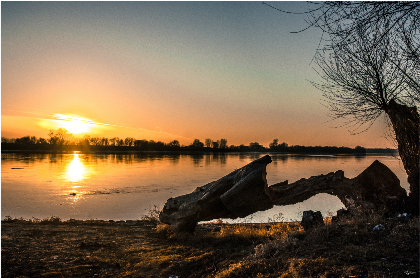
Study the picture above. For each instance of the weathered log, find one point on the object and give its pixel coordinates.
(238, 194)
(376, 187)
(245, 191)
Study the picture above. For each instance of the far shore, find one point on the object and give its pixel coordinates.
(81, 151)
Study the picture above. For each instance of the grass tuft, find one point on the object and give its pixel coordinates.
(153, 215)
(260, 231)
(51, 220)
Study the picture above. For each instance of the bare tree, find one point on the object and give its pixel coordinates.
(361, 78)
(399, 22)
(197, 143)
(369, 61)
(174, 144)
(371, 73)
(104, 141)
(129, 141)
(223, 143)
(95, 141)
(60, 137)
(273, 145)
(208, 142)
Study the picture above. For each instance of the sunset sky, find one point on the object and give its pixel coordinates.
(166, 71)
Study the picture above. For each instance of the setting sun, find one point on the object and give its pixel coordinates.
(74, 124)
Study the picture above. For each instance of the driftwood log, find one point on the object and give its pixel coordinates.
(376, 187)
(238, 194)
(245, 191)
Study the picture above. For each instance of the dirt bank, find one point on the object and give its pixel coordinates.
(145, 249)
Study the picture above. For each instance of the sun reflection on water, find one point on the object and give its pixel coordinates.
(75, 171)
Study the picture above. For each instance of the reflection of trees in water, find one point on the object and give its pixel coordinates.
(255, 156)
(141, 157)
(279, 158)
(283, 158)
(56, 158)
(223, 158)
(208, 160)
(219, 157)
(27, 158)
(175, 157)
(144, 157)
(242, 156)
(359, 158)
(197, 158)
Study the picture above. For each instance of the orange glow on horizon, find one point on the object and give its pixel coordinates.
(74, 124)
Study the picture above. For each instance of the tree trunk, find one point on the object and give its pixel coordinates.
(245, 191)
(405, 121)
(377, 187)
(238, 194)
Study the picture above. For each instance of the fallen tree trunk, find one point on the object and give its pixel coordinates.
(376, 187)
(245, 191)
(238, 194)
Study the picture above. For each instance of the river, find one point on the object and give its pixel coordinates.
(126, 186)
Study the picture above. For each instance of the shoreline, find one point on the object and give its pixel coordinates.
(94, 248)
(368, 153)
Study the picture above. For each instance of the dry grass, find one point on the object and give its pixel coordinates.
(350, 248)
(262, 231)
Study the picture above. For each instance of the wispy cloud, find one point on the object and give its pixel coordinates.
(44, 118)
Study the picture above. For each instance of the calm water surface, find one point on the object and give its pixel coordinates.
(126, 186)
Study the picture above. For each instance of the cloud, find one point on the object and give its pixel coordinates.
(38, 124)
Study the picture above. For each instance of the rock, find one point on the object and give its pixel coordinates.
(379, 228)
(404, 216)
(311, 219)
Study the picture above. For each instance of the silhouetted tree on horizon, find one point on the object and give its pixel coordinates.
(208, 142)
(255, 146)
(197, 144)
(223, 143)
(141, 143)
(174, 144)
(104, 144)
(114, 141)
(274, 144)
(59, 137)
(129, 141)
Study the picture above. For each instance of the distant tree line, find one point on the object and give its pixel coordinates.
(61, 139)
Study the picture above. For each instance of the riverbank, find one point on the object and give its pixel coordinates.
(162, 147)
(349, 248)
